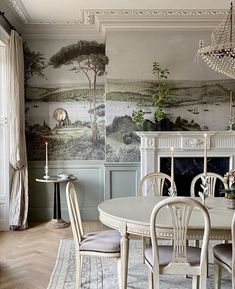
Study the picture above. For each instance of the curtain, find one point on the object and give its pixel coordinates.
(18, 158)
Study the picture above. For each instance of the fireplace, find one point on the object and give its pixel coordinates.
(188, 148)
(185, 169)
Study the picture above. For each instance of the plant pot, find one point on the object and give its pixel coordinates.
(229, 203)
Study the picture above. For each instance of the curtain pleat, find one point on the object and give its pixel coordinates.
(18, 157)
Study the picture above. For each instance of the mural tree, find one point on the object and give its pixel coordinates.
(34, 64)
(87, 57)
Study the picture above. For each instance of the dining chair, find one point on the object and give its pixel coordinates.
(178, 259)
(100, 244)
(212, 179)
(154, 184)
(224, 257)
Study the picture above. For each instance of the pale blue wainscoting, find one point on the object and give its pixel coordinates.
(96, 181)
(121, 179)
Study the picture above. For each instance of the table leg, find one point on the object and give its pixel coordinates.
(124, 259)
(57, 222)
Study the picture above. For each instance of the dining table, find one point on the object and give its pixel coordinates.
(131, 215)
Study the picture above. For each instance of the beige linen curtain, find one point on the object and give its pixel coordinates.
(18, 158)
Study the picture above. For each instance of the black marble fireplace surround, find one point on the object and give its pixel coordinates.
(186, 168)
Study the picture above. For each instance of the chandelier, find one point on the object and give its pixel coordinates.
(220, 55)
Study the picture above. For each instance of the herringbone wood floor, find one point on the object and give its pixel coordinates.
(27, 257)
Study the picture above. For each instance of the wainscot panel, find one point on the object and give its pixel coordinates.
(121, 179)
(89, 185)
(96, 181)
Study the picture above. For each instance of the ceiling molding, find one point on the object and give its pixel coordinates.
(95, 23)
(60, 31)
(20, 11)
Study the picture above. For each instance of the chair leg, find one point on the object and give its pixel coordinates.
(79, 260)
(195, 282)
(143, 247)
(119, 268)
(203, 280)
(150, 278)
(217, 273)
(156, 280)
(145, 243)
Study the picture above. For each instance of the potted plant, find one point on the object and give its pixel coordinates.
(229, 196)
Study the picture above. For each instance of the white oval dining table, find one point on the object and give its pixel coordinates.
(131, 215)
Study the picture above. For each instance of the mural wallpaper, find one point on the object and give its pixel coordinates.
(192, 105)
(83, 108)
(70, 116)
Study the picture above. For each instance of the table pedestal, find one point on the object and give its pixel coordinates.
(57, 222)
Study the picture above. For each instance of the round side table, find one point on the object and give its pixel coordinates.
(57, 222)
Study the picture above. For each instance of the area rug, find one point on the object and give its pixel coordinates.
(102, 273)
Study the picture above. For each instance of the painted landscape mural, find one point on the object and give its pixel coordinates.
(192, 105)
(69, 116)
(81, 94)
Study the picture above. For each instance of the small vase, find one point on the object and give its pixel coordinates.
(229, 203)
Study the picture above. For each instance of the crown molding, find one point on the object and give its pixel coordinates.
(61, 31)
(20, 11)
(155, 20)
(95, 23)
(10, 13)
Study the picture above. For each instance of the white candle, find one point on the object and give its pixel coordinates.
(231, 105)
(205, 154)
(172, 168)
(46, 155)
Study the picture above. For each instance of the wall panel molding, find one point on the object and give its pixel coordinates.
(97, 181)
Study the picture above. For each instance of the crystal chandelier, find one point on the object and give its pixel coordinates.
(220, 55)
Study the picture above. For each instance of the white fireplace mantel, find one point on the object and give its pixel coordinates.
(157, 144)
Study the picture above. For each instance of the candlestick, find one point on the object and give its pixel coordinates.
(46, 154)
(231, 105)
(46, 166)
(172, 168)
(205, 154)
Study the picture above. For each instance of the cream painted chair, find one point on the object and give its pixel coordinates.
(212, 178)
(154, 183)
(178, 259)
(224, 257)
(100, 244)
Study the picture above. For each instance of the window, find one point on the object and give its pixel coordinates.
(4, 141)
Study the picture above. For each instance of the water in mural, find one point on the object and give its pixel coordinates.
(193, 105)
(70, 117)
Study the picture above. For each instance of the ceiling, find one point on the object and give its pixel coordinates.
(49, 11)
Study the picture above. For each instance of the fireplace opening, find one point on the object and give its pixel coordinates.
(186, 168)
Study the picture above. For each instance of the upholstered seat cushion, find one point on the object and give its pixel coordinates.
(102, 241)
(223, 252)
(165, 255)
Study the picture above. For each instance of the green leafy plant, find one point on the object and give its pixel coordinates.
(138, 117)
(163, 92)
(230, 193)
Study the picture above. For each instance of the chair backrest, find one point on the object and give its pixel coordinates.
(212, 178)
(153, 184)
(74, 213)
(180, 209)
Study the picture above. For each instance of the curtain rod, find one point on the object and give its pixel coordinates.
(8, 22)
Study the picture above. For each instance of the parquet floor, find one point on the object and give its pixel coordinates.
(27, 258)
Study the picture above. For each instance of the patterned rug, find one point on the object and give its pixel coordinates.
(102, 273)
